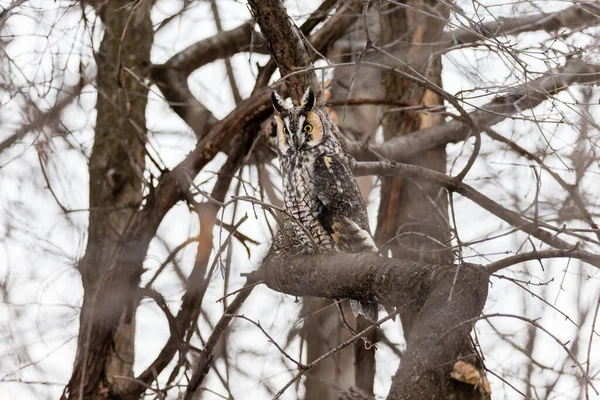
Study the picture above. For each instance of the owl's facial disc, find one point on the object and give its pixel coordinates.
(298, 128)
(284, 141)
(313, 129)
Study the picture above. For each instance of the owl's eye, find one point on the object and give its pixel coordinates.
(285, 129)
(308, 128)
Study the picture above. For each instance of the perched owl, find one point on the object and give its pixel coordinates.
(325, 208)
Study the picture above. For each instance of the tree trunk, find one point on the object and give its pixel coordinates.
(322, 331)
(107, 322)
(413, 220)
(411, 212)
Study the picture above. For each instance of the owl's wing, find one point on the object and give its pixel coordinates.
(347, 234)
(344, 215)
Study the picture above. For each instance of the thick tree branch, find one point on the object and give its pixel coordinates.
(222, 45)
(447, 296)
(286, 45)
(318, 16)
(522, 97)
(292, 50)
(171, 77)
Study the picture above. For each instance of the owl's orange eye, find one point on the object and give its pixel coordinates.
(308, 128)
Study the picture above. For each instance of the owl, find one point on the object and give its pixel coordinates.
(324, 206)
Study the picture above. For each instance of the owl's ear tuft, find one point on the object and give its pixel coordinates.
(278, 103)
(308, 100)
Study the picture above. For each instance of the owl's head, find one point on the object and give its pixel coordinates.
(298, 128)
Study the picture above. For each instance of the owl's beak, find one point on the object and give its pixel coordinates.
(295, 142)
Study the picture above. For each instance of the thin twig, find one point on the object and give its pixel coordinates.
(589, 349)
(259, 326)
(205, 358)
(571, 189)
(333, 351)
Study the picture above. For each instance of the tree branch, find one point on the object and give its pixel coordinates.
(198, 281)
(235, 91)
(222, 45)
(43, 118)
(286, 45)
(292, 50)
(509, 216)
(318, 16)
(573, 190)
(171, 77)
(579, 15)
(206, 357)
(522, 97)
(573, 252)
(448, 295)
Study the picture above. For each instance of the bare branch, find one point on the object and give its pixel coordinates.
(514, 219)
(171, 77)
(353, 339)
(573, 252)
(576, 16)
(205, 359)
(523, 97)
(220, 46)
(41, 119)
(571, 189)
(194, 295)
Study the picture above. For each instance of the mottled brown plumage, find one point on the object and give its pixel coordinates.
(325, 208)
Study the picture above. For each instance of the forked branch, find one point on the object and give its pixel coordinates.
(447, 295)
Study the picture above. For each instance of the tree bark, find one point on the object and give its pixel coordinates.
(105, 347)
(321, 332)
(409, 212)
(448, 297)
(286, 46)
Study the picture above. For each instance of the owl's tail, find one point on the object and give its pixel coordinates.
(368, 310)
